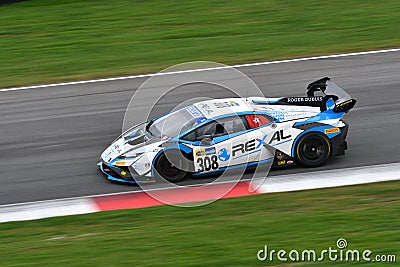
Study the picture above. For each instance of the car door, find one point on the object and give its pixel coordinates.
(224, 142)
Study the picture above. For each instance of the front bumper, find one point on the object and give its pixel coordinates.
(122, 174)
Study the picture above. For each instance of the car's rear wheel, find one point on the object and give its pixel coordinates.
(313, 149)
(172, 166)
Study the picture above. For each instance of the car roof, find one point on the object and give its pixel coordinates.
(218, 107)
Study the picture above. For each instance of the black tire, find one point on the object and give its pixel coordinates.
(171, 171)
(313, 149)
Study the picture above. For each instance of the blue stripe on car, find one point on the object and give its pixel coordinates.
(320, 129)
(325, 115)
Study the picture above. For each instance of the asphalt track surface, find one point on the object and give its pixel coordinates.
(51, 138)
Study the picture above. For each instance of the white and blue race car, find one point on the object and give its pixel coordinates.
(215, 135)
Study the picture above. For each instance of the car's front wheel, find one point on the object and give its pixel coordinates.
(313, 149)
(172, 166)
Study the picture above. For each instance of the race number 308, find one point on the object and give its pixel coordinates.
(207, 163)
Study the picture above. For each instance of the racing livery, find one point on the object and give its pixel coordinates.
(220, 134)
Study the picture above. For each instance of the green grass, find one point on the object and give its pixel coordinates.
(46, 41)
(228, 232)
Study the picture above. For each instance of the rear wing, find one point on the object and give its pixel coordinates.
(334, 96)
(331, 96)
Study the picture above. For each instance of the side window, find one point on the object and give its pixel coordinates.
(256, 120)
(209, 129)
(234, 124)
(219, 127)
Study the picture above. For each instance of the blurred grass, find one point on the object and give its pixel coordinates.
(228, 232)
(46, 41)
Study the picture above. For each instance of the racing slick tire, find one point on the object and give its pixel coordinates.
(313, 149)
(172, 166)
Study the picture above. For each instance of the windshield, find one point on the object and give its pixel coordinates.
(334, 89)
(176, 122)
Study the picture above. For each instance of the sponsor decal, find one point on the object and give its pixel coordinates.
(290, 162)
(344, 106)
(123, 173)
(223, 154)
(304, 99)
(200, 152)
(196, 113)
(210, 151)
(141, 166)
(117, 149)
(107, 154)
(281, 162)
(205, 151)
(278, 136)
(248, 146)
(207, 108)
(345, 103)
(120, 163)
(286, 115)
(200, 120)
(243, 148)
(261, 141)
(226, 104)
(331, 130)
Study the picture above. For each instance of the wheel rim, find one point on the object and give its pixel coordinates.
(168, 169)
(314, 149)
